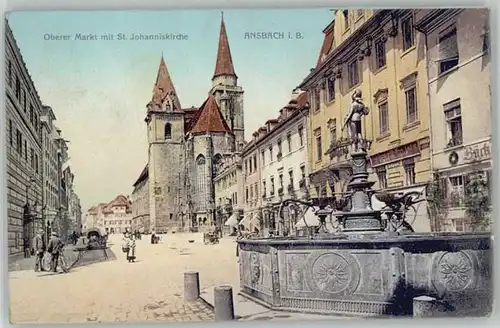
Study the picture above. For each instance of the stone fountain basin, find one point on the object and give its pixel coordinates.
(369, 276)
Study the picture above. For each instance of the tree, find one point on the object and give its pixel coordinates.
(437, 202)
(477, 202)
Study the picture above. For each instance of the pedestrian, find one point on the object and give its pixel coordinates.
(153, 237)
(39, 247)
(55, 249)
(125, 244)
(75, 238)
(26, 247)
(131, 248)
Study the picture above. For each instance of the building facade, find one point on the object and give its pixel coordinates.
(24, 150)
(140, 203)
(252, 216)
(74, 213)
(114, 217)
(229, 192)
(459, 75)
(282, 148)
(186, 145)
(377, 52)
(51, 181)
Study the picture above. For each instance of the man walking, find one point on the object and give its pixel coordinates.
(55, 248)
(39, 247)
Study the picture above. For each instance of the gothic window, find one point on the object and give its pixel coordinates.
(217, 164)
(168, 131)
(201, 185)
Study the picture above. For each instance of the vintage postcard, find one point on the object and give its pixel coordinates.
(286, 164)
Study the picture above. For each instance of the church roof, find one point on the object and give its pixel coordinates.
(190, 115)
(164, 87)
(224, 63)
(209, 118)
(143, 176)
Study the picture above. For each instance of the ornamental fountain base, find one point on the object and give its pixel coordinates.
(367, 268)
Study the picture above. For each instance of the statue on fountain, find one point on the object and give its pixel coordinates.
(353, 119)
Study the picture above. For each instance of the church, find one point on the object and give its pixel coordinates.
(186, 145)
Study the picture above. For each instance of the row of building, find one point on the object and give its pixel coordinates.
(426, 124)
(110, 218)
(40, 192)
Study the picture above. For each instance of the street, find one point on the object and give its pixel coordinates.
(151, 289)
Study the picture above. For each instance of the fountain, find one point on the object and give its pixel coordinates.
(374, 264)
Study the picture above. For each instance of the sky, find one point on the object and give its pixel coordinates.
(99, 89)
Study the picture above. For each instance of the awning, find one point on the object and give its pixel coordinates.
(308, 220)
(255, 220)
(246, 220)
(232, 221)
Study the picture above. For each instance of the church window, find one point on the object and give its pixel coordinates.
(201, 185)
(168, 131)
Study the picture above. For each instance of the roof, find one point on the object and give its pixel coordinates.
(327, 44)
(143, 176)
(190, 115)
(302, 98)
(120, 200)
(106, 208)
(295, 106)
(164, 87)
(224, 63)
(209, 118)
(92, 210)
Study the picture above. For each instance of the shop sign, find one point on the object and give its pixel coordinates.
(404, 151)
(478, 152)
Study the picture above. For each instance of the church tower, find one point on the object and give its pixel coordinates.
(165, 124)
(225, 89)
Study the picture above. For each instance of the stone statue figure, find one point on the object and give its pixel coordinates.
(353, 119)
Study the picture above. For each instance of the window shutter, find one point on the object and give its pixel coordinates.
(448, 48)
(467, 179)
(443, 187)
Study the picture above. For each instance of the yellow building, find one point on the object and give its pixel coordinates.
(380, 53)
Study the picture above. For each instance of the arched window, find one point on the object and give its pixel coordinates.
(201, 182)
(217, 162)
(168, 131)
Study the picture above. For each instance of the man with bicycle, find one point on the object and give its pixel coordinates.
(55, 248)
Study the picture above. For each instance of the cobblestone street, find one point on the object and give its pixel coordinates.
(117, 291)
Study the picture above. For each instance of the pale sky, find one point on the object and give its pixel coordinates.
(99, 89)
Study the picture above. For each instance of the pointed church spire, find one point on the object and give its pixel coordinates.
(224, 63)
(164, 87)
